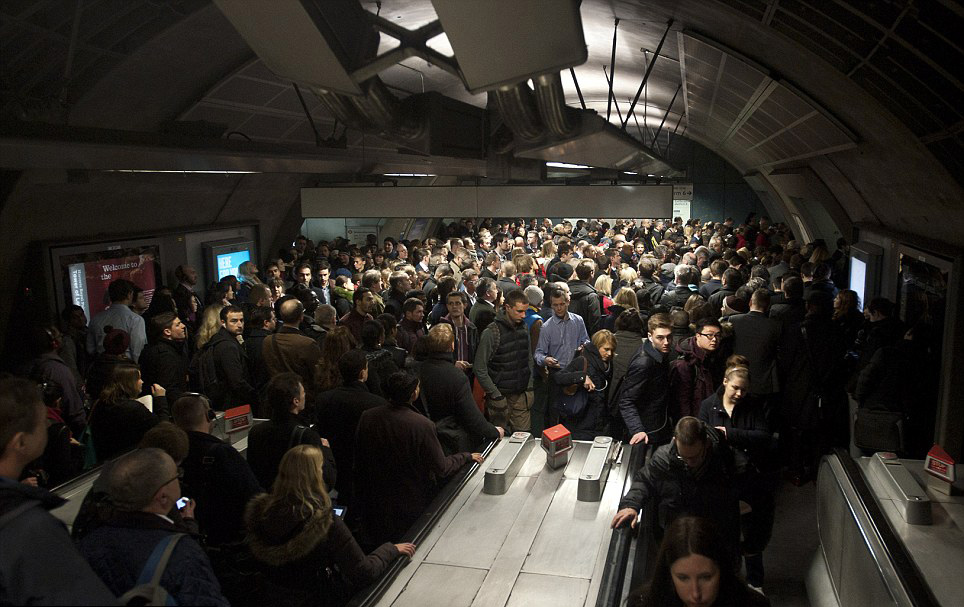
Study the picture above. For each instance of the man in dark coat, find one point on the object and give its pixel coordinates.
(687, 284)
(691, 476)
(586, 302)
(143, 488)
(732, 280)
(233, 386)
(289, 350)
(397, 461)
(261, 323)
(164, 360)
(757, 337)
(447, 391)
(338, 411)
(38, 563)
(216, 476)
(643, 399)
(188, 303)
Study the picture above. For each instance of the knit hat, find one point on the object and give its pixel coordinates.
(735, 305)
(343, 272)
(116, 341)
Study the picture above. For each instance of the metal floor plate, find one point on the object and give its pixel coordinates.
(534, 545)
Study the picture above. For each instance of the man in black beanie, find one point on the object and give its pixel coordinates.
(397, 461)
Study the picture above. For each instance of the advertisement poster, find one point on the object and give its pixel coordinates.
(89, 277)
(228, 263)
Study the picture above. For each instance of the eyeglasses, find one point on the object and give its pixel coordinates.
(179, 476)
(710, 336)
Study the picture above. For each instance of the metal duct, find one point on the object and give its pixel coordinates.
(551, 101)
(377, 112)
(518, 110)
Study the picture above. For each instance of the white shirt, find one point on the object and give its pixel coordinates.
(120, 317)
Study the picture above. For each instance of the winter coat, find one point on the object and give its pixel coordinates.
(338, 411)
(678, 491)
(290, 351)
(116, 428)
(270, 440)
(758, 338)
(747, 430)
(587, 303)
(164, 362)
(119, 550)
(693, 377)
(398, 463)
(39, 564)
(593, 420)
(311, 556)
(644, 395)
(222, 483)
(447, 393)
(230, 365)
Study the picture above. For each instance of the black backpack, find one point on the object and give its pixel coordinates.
(203, 374)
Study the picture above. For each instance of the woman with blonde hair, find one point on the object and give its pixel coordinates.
(311, 556)
(742, 422)
(210, 324)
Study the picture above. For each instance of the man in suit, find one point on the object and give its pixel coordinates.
(757, 337)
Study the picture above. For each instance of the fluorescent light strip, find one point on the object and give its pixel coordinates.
(165, 171)
(566, 165)
(409, 174)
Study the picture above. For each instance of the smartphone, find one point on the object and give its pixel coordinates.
(184, 501)
(339, 511)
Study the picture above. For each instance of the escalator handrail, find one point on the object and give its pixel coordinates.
(907, 571)
(420, 530)
(617, 555)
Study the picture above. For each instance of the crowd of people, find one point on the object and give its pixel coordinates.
(383, 368)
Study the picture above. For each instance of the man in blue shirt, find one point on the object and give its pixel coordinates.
(559, 338)
(119, 316)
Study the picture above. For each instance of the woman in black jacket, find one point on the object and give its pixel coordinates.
(117, 421)
(311, 556)
(743, 424)
(585, 412)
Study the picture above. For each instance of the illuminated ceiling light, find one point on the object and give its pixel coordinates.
(566, 165)
(169, 171)
(409, 174)
(630, 172)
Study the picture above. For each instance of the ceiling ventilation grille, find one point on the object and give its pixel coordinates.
(734, 104)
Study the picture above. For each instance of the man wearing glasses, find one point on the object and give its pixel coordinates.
(696, 376)
(644, 392)
(691, 476)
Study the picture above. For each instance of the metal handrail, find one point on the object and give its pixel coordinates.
(620, 542)
(419, 531)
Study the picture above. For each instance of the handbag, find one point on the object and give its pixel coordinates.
(571, 389)
(879, 430)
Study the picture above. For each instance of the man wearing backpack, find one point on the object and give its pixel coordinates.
(586, 302)
(132, 552)
(223, 364)
(38, 562)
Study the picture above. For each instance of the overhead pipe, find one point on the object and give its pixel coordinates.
(551, 101)
(649, 70)
(378, 112)
(518, 111)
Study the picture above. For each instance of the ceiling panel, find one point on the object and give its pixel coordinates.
(736, 105)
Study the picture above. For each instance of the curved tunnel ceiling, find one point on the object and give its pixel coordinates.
(883, 79)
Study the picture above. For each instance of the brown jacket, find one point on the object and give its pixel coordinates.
(290, 351)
